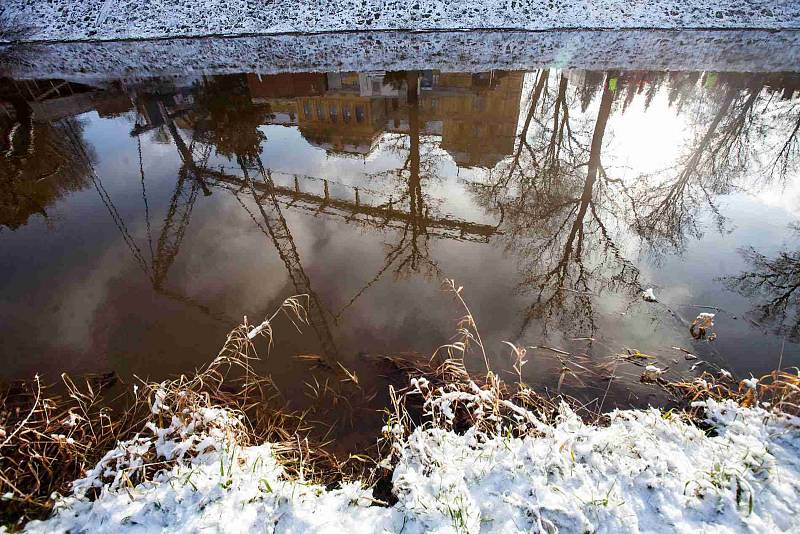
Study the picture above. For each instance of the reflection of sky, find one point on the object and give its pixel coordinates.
(74, 297)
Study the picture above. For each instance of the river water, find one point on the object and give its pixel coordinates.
(143, 218)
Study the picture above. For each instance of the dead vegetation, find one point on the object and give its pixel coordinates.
(777, 391)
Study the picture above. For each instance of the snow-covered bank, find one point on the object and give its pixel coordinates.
(646, 472)
(748, 51)
(131, 19)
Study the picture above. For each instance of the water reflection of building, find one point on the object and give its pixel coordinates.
(345, 118)
(478, 113)
(474, 114)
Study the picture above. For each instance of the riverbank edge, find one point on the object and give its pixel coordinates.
(66, 20)
(715, 50)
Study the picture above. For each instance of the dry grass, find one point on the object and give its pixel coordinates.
(779, 390)
(480, 401)
(49, 440)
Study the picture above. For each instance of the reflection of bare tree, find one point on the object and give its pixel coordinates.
(668, 210)
(410, 252)
(736, 124)
(775, 284)
(552, 195)
(230, 120)
(787, 153)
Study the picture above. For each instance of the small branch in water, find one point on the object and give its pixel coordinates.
(559, 351)
(568, 290)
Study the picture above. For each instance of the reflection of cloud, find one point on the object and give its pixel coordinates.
(785, 198)
(227, 262)
(80, 299)
(636, 148)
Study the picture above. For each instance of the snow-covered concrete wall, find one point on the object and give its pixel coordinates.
(751, 51)
(126, 19)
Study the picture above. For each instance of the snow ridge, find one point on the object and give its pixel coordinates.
(647, 471)
(132, 19)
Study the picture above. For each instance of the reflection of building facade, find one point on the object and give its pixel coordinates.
(474, 114)
(478, 113)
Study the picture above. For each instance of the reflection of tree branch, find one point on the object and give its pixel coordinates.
(666, 213)
(775, 282)
(410, 253)
(787, 154)
(672, 217)
(574, 244)
(419, 165)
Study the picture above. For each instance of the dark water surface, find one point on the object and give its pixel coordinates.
(141, 219)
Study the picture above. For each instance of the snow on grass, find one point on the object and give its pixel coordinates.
(647, 471)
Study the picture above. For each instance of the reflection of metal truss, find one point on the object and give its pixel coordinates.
(280, 235)
(194, 176)
(354, 210)
(173, 228)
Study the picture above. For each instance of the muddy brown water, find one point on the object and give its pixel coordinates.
(142, 219)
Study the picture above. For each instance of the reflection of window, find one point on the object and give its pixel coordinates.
(376, 86)
(320, 112)
(307, 110)
(346, 112)
(333, 111)
(359, 113)
(478, 104)
(434, 103)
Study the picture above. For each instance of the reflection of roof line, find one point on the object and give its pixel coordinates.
(321, 137)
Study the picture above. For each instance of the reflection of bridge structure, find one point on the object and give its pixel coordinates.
(353, 210)
(269, 190)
